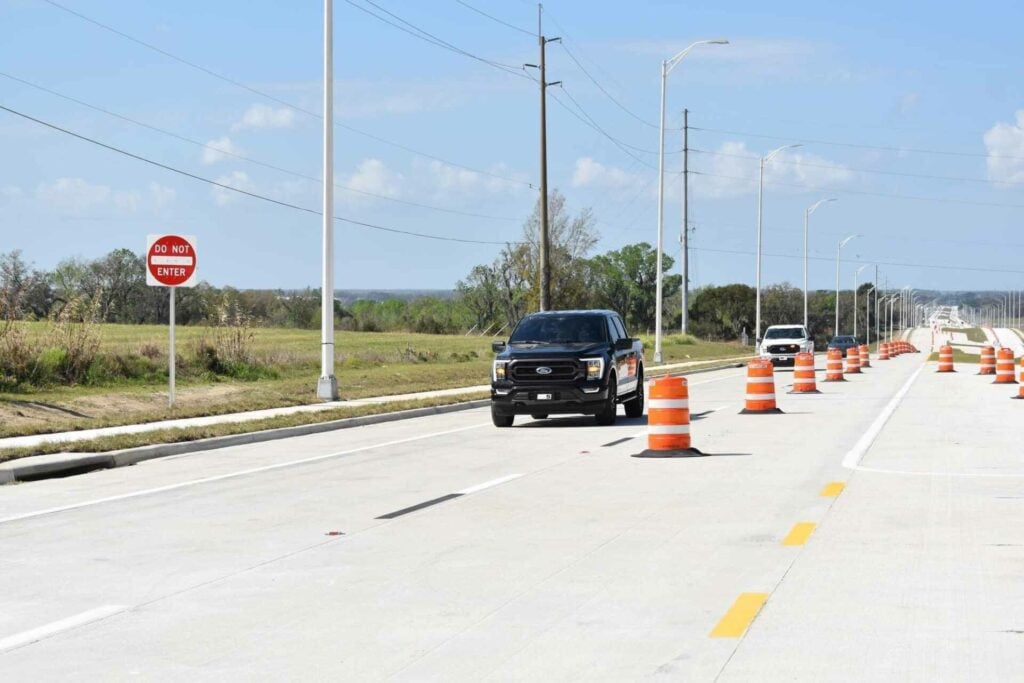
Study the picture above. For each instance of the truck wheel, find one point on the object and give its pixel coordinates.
(635, 406)
(500, 420)
(539, 416)
(606, 417)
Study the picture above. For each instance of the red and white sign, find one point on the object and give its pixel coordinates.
(171, 261)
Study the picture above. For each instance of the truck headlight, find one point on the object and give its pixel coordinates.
(499, 369)
(595, 367)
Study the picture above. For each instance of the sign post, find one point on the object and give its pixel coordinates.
(171, 263)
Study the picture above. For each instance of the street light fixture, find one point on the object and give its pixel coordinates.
(760, 210)
(839, 251)
(807, 215)
(666, 69)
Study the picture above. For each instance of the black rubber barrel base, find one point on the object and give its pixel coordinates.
(687, 453)
(760, 412)
(804, 392)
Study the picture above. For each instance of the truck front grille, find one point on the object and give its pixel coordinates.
(561, 370)
(784, 348)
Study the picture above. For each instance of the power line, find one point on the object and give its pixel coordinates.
(278, 100)
(607, 94)
(247, 193)
(891, 195)
(428, 37)
(248, 159)
(496, 19)
(588, 121)
(883, 148)
(837, 167)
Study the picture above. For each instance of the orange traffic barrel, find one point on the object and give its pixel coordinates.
(760, 387)
(853, 361)
(883, 351)
(668, 415)
(803, 375)
(1004, 367)
(1020, 393)
(988, 361)
(668, 420)
(865, 356)
(834, 366)
(946, 360)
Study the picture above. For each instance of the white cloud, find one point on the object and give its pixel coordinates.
(374, 177)
(906, 104)
(1005, 140)
(259, 116)
(593, 174)
(733, 169)
(447, 180)
(11, 192)
(77, 197)
(238, 179)
(219, 150)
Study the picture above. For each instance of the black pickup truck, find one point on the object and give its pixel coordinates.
(560, 362)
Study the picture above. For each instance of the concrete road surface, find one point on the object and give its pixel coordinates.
(872, 532)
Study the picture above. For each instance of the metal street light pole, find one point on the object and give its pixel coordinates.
(839, 251)
(807, 216)
(867, 314)
(666, 69)
(857, 273)
(327, 385)
(760, 211)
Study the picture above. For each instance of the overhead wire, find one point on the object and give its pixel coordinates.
(225, 186)
(283, 102)
(496, 19)
(248, 159)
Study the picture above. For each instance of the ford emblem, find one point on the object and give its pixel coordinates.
(543, 370)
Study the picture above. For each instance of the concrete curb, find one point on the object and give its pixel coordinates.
(42, 465)
(56, 464)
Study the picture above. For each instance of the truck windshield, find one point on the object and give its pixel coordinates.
(785, 333)
(560, 329)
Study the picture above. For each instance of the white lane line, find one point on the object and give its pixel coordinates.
(854, 456)
(487, 484)
(36, 634)
(232, 475)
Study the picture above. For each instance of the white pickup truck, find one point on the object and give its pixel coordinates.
(781, 343)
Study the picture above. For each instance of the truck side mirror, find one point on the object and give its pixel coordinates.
(497, 346)
(623, 344)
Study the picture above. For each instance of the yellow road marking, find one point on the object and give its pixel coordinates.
(799, 534)
(739, 617)
(833, 489)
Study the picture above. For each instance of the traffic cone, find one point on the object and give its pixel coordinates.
(853, 361)
(760, 396)
(668, 419)
(803, 375)
(883, 351)
(1004, 367)
(865, 356)
(988, 361)
(946, 359)
(834, 366)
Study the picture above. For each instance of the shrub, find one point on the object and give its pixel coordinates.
(19, 355)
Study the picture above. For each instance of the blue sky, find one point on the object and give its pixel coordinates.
(887, 80)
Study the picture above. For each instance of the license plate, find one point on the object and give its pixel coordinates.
(543, 397)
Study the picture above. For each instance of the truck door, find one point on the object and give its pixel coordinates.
(625, 361)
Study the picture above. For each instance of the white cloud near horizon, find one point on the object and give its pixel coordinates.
(219, 150)
(262, 116)
(237, 179)
(374, 177)
(78, 197)
(589, 173)
(733, 169)
(1002, 141)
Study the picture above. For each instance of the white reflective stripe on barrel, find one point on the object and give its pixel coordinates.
(656, 403)
(760, 380)
(760, 397)
(659, 430)
(1005, 372)
(799, 380)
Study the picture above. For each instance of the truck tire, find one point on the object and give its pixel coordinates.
(539, 416)
(635, 405)
(500, 420)
(606, 416)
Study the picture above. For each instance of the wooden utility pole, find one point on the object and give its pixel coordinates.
(545, 247)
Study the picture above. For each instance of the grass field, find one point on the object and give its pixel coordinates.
(367, 364)
(974, 334)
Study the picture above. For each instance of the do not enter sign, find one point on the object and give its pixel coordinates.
(171, 261)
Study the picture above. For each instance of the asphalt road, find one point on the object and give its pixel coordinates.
(872, 532)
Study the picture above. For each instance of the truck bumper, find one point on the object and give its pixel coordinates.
(564, 400)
